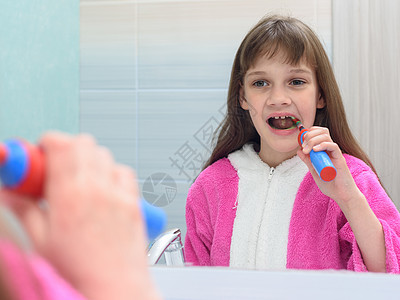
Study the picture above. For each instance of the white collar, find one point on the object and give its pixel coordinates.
(264, 205)
(247, 159)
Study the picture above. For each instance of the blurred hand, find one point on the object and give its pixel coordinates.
(91, 229)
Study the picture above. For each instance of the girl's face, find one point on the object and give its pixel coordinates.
(273, 91)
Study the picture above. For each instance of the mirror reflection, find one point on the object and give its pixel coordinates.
(154, 89)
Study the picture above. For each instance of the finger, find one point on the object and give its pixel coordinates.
(314, 141)
(68, 157)
(30, 215)
(314, 138)
(126, 184)
(316, 131)
(101, 160)
(125, 176)
(86, 139)
(54, 139)
(57, 142)
(331, 148)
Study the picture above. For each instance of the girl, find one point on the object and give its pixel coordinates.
(259, 203)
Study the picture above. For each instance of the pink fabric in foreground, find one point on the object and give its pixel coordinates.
(30, 277)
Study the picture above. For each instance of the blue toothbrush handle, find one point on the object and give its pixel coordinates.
(154, 217)
(321, 162)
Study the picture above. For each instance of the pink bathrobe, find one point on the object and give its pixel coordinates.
(319, 235)
(30, 277)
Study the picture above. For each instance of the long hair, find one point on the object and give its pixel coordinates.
(297, 41)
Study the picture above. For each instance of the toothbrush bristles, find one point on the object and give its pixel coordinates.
(296, 122)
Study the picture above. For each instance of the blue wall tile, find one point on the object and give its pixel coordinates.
(39, 67)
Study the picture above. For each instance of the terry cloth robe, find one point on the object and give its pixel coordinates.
(319, 236)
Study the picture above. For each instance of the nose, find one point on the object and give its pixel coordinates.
(278, 96)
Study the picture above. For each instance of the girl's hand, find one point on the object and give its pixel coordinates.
(91, 228)
(365, 225)
(343, 188)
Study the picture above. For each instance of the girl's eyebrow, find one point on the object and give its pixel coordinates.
(297, 70)
(255, 73)
(300, 70)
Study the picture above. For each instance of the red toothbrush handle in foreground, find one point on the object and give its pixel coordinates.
(22, 170)
(22, 167)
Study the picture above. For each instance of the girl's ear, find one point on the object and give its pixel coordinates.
(242, 99)
(321, 101)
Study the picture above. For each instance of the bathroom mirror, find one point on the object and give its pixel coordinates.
(154, 79)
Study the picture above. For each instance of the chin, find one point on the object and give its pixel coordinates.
(288, 147)
(288, 144)
(289, 151)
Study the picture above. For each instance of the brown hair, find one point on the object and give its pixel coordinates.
(298, 42)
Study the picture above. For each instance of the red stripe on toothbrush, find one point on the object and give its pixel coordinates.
(301, 128)
(3, 154)
(296, 121)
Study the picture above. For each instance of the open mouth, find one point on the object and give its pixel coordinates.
(281, 122)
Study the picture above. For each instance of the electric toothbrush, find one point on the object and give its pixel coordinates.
(22, 170)
(320, 159)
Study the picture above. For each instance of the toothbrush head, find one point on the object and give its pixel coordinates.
(296, 122)
(301, 128)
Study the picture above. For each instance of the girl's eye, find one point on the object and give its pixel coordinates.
(260, 83)
(297, 82)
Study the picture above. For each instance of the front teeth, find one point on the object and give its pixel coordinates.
(281, 117)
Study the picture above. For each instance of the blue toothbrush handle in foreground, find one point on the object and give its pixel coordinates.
(154, 217)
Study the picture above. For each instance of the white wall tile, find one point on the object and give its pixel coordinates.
(170, 121)
(108, 46)
(173, 60)
(110, 115)
(191, 44)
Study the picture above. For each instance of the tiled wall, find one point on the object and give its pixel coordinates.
(154, 78)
